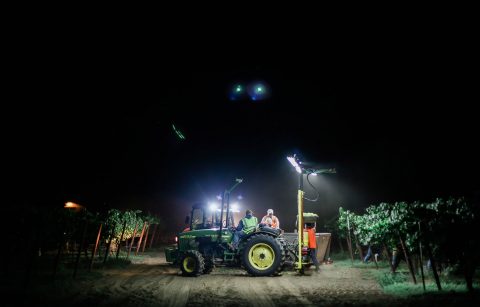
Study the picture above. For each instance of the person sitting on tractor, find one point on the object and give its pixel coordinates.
(246, 226)
(270, 220)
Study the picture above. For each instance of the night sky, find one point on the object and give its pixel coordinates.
(102, 136)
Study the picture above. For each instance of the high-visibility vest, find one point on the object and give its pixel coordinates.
(312, 242)
(275, 222)
(305, 238)
(249, 225)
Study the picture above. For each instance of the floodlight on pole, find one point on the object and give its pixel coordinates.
(300, 196)
(294, 163)
(300, 193)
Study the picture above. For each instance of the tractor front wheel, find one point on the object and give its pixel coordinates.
(192, 263)
(263, 255)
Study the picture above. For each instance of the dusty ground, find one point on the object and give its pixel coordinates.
(153, 282)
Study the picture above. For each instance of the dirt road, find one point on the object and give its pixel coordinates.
(152, 282)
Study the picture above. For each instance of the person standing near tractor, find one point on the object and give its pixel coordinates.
(271, 220)
(246, 226)
(312, 245)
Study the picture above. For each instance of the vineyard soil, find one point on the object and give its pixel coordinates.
(150, 281)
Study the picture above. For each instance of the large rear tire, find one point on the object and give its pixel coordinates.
(263, 255)
(192, 263)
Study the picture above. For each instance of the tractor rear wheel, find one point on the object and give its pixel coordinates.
(192, 263)
(263, 255)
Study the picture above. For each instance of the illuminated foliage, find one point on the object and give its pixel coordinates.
(132, 218)
(386, 222)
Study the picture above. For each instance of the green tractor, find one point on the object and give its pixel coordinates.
(205, 243)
